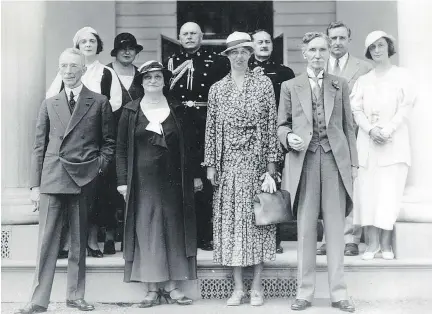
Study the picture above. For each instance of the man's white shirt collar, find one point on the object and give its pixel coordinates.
(311, 73)
(76, 91)
(342, 62)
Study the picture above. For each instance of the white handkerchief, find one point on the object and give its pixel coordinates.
(156, 117)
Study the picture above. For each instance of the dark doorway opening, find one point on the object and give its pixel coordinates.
(218, 19)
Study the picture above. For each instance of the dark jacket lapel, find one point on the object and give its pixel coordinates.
(304, 93)
(61, 107)
(329, 96)
(85, 101)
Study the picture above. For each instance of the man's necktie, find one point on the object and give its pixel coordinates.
(71, 102)
(316, 90)
(337, 69)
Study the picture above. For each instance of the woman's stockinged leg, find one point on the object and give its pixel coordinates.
(386, 240)
(238, 278)
(256, 282)
(373, 238)
(171, 287)
(152, 291)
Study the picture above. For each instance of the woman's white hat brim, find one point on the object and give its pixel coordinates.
(237, 40)
(245, 44)
(374, 36)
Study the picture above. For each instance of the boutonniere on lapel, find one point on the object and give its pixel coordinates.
(335, 84)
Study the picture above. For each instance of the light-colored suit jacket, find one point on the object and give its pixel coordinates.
(353, 69)
(295, 115)
(70, 150)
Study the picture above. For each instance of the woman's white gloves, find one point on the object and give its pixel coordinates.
(269, 184)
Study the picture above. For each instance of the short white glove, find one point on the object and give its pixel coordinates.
(122, 189)
(269, 184)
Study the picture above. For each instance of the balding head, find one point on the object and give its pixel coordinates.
(190, 36)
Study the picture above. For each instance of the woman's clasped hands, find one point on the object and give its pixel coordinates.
(380, 135)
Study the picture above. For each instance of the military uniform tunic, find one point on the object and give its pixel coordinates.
(193, 75)
(277, 73)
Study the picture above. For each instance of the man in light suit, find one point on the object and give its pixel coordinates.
(315, 124)
(343, 64)
(74, 143)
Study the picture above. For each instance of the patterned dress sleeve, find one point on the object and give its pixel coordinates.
(210, 132)
(274, 153)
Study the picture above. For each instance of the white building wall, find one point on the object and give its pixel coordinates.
(147, 20)
(294, 19)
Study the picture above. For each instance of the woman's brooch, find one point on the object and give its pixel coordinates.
(335, 84)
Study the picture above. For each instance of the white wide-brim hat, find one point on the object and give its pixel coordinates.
(374, 36)
(236, 40)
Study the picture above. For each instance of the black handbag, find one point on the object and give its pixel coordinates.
(272, 208)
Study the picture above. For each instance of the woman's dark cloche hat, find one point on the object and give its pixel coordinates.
(125, 40)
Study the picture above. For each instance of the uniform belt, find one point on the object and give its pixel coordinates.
(197, 104)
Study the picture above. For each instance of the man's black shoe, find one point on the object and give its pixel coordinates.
(351, 249)
(344, 305)
(63, 254)
(206, 246)
(322, 250)
(80, 304)
(300, 305)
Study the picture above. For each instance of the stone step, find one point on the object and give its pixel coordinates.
(366, 280)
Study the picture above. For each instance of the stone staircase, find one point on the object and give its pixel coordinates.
(407, 277)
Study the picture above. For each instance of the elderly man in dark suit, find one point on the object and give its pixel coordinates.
(74, 144)
(315, 124)
(344, 64)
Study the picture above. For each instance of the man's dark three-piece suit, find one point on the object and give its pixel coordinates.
(70, 151)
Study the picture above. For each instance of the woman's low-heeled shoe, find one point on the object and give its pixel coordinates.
(256, 298)
(236, 298)
(153, 302)
(388, 254)
(367, 256)
(169, 300)
(94, 253)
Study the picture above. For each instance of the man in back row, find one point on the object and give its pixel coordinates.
(194, 70)
(278, 73)
(343, 64)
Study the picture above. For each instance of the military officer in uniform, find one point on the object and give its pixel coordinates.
(194, 70)
(278, 73)
(262, 57)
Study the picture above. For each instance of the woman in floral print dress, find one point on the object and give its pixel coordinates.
(240, 146)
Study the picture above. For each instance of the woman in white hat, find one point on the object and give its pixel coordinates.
(154, 178)
(103, 80)
(241, 146)
(381, 102)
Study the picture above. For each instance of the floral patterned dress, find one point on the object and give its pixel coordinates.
(240, 141)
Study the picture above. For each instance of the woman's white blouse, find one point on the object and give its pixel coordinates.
(383, 101)
(92, 80)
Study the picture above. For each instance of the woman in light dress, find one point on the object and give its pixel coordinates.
(381, 102)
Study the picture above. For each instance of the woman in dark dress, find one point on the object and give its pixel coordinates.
(153, 177)
(125, 51)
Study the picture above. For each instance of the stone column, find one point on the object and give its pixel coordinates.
(23, 89)
(413, 42)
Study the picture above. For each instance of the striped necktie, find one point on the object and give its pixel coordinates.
(72, 102)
